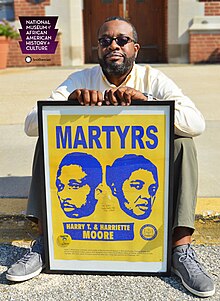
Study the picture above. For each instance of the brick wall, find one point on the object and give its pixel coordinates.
(204, 48)
(27, 8)
(212, 8)
(15, 56)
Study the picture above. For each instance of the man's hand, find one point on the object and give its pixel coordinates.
(87, 97)
(123, 96)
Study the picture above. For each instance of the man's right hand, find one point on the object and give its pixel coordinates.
(87, 97)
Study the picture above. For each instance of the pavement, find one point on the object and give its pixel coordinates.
(20, 89)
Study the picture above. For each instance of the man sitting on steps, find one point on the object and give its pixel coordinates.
(118, 81)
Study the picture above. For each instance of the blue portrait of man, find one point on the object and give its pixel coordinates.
(78, 177)
(133, 180)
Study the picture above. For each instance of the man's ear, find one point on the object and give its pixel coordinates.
(136, 48)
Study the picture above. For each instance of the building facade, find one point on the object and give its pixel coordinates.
(170, 31)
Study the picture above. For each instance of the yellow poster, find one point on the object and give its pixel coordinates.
(107, 185)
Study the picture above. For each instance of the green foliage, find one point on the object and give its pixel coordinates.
(7, 30)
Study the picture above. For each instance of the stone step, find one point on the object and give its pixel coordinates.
(15, 228)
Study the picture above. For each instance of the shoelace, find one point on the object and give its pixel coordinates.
(26, 257)
(36, 247)
(193, 265)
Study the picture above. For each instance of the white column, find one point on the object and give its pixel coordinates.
(180, 16)
(70, 24)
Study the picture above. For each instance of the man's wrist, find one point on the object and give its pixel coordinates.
(149, 96)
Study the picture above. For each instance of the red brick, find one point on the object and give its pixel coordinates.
(204, 52)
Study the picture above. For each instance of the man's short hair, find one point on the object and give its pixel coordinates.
(90, 165)
(113, 18)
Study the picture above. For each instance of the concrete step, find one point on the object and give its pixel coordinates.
(15, 228)
(12, 187)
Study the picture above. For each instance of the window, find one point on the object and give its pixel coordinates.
(7, 10)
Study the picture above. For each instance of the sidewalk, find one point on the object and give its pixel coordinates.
(20, 89)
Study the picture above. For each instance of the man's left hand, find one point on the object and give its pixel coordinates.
(123, 96)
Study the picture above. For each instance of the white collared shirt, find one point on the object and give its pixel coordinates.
(189, 122)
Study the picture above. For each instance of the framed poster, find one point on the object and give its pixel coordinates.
(108, 186)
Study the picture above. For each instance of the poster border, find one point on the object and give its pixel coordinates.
(170, 105)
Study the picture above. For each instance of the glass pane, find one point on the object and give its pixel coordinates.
(7, 12)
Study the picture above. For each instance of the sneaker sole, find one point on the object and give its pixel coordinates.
(25, 277)
(197, 293)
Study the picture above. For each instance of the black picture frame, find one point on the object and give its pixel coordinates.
(47, 108)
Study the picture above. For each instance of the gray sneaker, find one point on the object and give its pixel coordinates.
(194, 277)
(30, 265)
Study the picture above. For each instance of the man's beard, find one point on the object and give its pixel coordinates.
(85, 210)
(114, 68)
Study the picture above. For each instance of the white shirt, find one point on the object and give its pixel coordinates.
(189, 122)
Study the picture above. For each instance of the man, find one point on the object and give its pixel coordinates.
(78, 176)
(118, 81)
(137, 185)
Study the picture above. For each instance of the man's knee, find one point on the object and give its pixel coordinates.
(184, 147)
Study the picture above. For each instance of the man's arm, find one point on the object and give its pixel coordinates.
(78, 79)
(189, 122)
(31, 121)
(82, 96)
